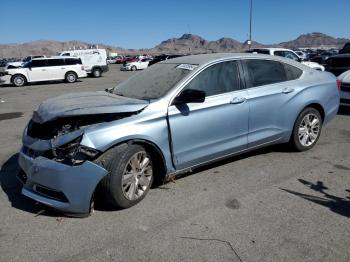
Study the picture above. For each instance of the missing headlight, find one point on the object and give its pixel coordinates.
(73, 153)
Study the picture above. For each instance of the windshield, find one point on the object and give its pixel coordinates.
(27, 59)
(152, 83)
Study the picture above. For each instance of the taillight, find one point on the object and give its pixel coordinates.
(338, 84)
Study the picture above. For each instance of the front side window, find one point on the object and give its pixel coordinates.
(217, 79)
(265, 72)
(39, 63)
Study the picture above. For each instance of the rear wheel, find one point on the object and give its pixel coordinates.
(97, 72)
(19, 80)
(307, 129)
(130, 175)
(71, 77)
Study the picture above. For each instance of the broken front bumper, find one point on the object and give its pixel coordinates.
(66, 188)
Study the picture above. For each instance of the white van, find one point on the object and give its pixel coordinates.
(44, 69)
(94, 60)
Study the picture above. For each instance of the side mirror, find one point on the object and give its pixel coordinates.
(190, 96)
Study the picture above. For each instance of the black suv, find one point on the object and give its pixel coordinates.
(345, 49)
(338, 64)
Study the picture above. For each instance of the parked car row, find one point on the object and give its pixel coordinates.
(68, 65)
(44, 69)
(287, 53)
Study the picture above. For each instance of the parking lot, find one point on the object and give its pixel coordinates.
(268, 205)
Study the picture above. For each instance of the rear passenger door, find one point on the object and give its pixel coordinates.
(56, 69)
(270, 92)
(38, 70)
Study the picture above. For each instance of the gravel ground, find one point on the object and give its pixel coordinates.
(268, 205)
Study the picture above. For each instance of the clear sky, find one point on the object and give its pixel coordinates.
(145, 23)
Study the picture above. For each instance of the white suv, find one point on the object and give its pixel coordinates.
(288, 54)
(44, 69)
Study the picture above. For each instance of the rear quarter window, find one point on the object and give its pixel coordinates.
(292, 72)
(265, 72)
(73, 61)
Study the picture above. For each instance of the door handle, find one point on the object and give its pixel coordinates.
(287, 90)
(43, 69)
(237, 100)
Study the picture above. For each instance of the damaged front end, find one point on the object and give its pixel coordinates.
(56, 168)
(60, 139)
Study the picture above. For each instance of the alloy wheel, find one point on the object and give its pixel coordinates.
(137, 175)
(309, 129)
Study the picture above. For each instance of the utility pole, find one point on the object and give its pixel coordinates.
(250, 25)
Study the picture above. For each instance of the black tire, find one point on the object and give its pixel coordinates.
(18, 80)
(296, 140)
(116, 161)
(71, 77)
(96, 72)
(133, 68)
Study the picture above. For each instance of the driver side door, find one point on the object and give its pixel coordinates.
(217, 127)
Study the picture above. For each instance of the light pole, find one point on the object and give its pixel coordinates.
(250, 24)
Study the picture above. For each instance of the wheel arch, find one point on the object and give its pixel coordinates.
(156, 154)
(318, 107)
(20, 74)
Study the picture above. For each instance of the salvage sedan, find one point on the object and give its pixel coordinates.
(168, 119)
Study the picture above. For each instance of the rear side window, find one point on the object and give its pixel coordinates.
(39, 63)
(73, 61)
(292, 72)
(265, 72)
(217, 79)
(55, 62)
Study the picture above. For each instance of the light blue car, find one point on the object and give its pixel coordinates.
(168, 119)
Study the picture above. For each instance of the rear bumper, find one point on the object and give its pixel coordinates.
(63, 187)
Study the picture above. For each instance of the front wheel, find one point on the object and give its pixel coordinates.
(19, 80)
(133, 68)
(307, 129)
(130, 175)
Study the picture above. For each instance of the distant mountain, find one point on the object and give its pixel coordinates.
(187, 43)
(314, 40)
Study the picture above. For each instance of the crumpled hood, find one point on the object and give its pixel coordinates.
(86, 103)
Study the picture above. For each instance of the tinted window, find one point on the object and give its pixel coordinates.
(217, 79)
(55, 62)
(66, 54)
(261, 51)
(292, 72)
(73, 61)
(264, 72)
(38, 63)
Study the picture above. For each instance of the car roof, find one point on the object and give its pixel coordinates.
(273, 49)
(207, 58)
(56, 57)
